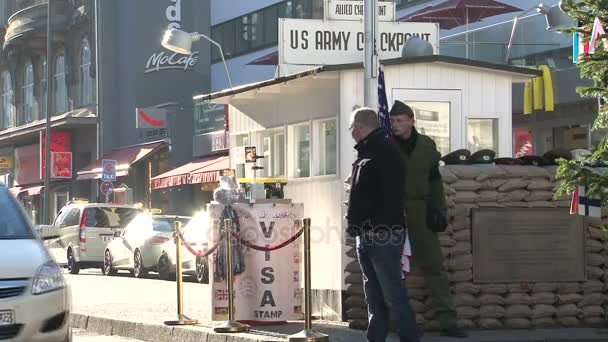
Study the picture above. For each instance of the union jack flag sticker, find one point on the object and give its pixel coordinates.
(296, 276)
(221, 294)
(297, 294)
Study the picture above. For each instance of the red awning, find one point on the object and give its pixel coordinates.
(33, 191)
(125, 157)
(15, 190)
(196, 172)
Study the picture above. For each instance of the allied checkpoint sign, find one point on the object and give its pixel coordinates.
(327, 42)
(269, 287)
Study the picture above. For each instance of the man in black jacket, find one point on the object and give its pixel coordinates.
(376, 217)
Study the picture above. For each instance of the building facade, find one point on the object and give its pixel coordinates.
(97, 81)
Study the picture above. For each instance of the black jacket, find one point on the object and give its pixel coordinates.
(377, 186)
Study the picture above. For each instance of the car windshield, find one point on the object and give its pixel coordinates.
(110, 217)
(13, 222)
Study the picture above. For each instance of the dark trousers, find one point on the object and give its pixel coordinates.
(380, 260)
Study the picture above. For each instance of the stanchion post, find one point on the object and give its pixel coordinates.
(308, 335)
(230, 326)
(181, 319)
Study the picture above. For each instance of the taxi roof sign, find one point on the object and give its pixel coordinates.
(154, 211)
(80, 200)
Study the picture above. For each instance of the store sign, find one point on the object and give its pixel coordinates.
(27, 165)
(6, 162)
(150, 118)
(354, 10)
(318, 42)
(166, 60)
(61, 165)
(60, 142)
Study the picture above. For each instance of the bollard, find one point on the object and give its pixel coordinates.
(181, 319)
(230, 326)
(307, 335)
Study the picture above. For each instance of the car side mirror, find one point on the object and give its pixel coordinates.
(117, 233)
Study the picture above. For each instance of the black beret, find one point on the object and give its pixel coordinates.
(557, 153)
(458, 157)
(533, 160)
(483, 157)
(400, 108)
(507, 161)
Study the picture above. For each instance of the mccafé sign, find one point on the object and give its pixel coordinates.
(167, 60)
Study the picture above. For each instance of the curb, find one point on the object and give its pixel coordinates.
(163, 333)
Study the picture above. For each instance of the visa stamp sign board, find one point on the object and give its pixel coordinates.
(353, 10)
(319, 42)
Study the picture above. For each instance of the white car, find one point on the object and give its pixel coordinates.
(34, 298)
(196, 234)
(138, 247)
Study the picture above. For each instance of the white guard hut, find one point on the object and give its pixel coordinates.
(299, 123)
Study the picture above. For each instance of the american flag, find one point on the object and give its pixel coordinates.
(383, 116)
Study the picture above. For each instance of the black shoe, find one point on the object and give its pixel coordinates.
(454, 332)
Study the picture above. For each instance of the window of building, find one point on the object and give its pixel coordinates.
(87, 86)
(300, 150)
(272, 147)
(433, 119)
(60, 86)
(43, 90)
(482, 134)
(209, 117)
(29, 103)
(325, 137)
(9, 112)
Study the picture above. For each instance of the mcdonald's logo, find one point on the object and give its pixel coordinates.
(538, 93)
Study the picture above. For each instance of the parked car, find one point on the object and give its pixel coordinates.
(196, 234)
(86, 229)
(138, 247)
(34, 298)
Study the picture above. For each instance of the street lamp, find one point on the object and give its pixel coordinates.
(181, 42)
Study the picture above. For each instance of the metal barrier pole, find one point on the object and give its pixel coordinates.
(308, 335)
(230, 326)
(181, 319)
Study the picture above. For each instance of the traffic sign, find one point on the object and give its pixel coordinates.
(106, 187)
(108, 172)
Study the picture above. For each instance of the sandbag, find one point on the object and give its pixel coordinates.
(540, 184)
(569, 322)
(544, 287)
(462, 235)
(488, 196)
(460, 223)
(544, 322)
(415, 281)
(355, 313)
(461, 248)
(465, 299)
(353, 267)
(539, 195)
(466, 324)
(467, 312)
(490, 171)
(461, 276)
(447, 176)
(466, 288)
(491, 205)
(591, 286)
(512, 196)
(541, 204)
(513, 184)
(543, 311)
(572, 298)
(432, 325)
(518, 298)
(464, 171)
(567, 288)
(514, 171)
(491, 299)
(465, 197)
(493, 289)
(355, 302)
(492, 184)
(491, 311)
(517, 323)
(354, 278)
(548, 298)
(355, 290)
(429, 314)
(519, 287)
(418, 306)
(595, 259)
(593, 246)
(594, 272)
(460, 263)
(592, 299)
(518, 311)
(489, 324)
(446, 241)
(418, 293)
(448, 190)
(567, 310)
(593, 311)
(534, 172)
(466, 185)
(596, 233)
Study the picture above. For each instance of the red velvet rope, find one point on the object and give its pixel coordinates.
(199, 254)
(269, 248)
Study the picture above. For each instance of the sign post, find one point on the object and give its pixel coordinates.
(107, 188)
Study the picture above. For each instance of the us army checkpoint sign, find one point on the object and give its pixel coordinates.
(319, 42)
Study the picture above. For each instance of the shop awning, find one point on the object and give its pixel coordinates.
(196, 172)
(125, 157)
(15, 190)
(29, 191)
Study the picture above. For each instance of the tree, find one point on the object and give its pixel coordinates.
(595, 67)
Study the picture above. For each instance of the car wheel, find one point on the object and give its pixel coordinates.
(138, 266)
(73, 265)
(107, 264)
(164, 268)
(202, 270)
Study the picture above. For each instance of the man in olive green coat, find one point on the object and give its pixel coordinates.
(423, 187)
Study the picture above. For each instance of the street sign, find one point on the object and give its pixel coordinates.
(353, 10)
(106, 187)
(318, 42)
(108, 172)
